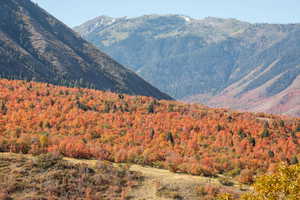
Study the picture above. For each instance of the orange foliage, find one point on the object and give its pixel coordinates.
(82, 123)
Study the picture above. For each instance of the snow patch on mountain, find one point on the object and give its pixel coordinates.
(187, 19)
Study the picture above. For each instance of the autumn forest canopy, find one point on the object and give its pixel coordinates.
(37, 118)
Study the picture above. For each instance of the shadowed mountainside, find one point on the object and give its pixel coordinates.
(35, 45)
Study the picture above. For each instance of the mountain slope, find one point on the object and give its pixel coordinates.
(201, 60)
(270, 79)
(35, 45)
(186, 138)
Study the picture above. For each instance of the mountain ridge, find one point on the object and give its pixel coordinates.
(199, 59)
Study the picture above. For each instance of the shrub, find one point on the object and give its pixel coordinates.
(265, 133)
(46, 161)
(43, 140)
(294, 160)
(234, 172)
(49, 177)
(252, 141)
(241, 133)
(150, 108)
(283, 184)
(226, 181)
(271, 154)
(225, 197)
(246, 176)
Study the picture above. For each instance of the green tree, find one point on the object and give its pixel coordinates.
(150, 108)
(265, 133)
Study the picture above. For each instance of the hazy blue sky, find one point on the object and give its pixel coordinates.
(75, 12)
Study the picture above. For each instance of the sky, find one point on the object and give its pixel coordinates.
(76, 12)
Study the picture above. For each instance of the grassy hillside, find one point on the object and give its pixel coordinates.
(37, 118)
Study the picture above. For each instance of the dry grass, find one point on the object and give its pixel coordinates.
(50, 177)
(53, 177)
(160, 184)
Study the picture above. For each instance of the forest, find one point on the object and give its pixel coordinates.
(38, 118)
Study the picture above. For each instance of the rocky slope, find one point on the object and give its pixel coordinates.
(35, 45)
(219, 62)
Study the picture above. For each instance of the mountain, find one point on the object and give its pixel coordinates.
(219, 62)
(36, 46)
